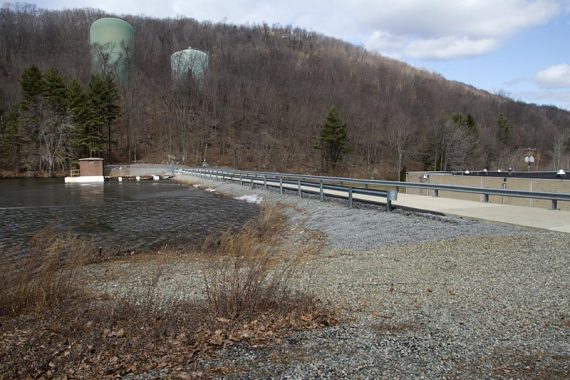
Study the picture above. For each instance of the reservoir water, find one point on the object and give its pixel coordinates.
(128, 216)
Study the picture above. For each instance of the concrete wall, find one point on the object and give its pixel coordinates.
(140, 169)
(547, 185)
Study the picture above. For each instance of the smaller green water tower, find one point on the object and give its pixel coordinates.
(188, 61)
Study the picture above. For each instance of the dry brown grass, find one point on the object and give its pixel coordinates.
(47, 276)
(50, 326)
(253, 273)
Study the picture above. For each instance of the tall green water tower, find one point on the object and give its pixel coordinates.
(112, 42)
(188, 61)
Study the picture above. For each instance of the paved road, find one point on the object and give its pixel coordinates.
(555, 220)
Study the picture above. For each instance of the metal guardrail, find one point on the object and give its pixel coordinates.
(319, 184)
(322, 186)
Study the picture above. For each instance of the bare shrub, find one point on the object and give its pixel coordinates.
(52, 327)
(47, 276)
(253, 273)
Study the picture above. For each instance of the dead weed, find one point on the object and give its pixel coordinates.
(50, 326)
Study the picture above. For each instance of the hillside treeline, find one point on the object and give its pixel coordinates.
(263, 101)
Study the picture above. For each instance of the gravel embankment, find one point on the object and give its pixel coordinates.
(364, 227)
(425, 296)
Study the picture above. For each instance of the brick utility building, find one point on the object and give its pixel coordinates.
(89, 167)
(90, 170)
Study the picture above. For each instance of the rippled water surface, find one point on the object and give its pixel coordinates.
(128, 215)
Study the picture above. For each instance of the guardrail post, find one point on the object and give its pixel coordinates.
(485, 198)
(300, 190)
(436, 192)
(280, 185)
(391, 195)
(253, 181)
(321, 190)
(555, 204)
(241, 179)
(350, 197)
(264, 182)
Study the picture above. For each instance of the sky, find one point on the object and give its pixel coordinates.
(519, 48)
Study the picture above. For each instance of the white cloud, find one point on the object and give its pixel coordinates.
(434, 29)
(451, 47)
(557, 76)
(453, 29)
(386, 41)
(432, 48)
(448, 17)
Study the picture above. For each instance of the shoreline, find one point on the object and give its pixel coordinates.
(429, 296)
(419, 295)
(11, 175)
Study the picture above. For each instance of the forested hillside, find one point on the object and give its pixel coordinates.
(261, 104)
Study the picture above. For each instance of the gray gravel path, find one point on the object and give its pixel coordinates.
(365, 227)
(424, 296)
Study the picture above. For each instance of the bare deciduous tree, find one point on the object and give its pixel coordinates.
(264, 94)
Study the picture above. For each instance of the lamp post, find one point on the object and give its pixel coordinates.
(529, 158)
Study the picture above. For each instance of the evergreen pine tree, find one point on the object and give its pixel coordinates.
(504, 129)
(333, 138)
(77, 114)
(103, 96)
(54, 90)
(466, 122)
(31, 83)
(95, 123)
(32, 86)
(471, 126)
(10, 139)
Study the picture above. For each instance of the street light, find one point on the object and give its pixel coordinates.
(529, 158)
